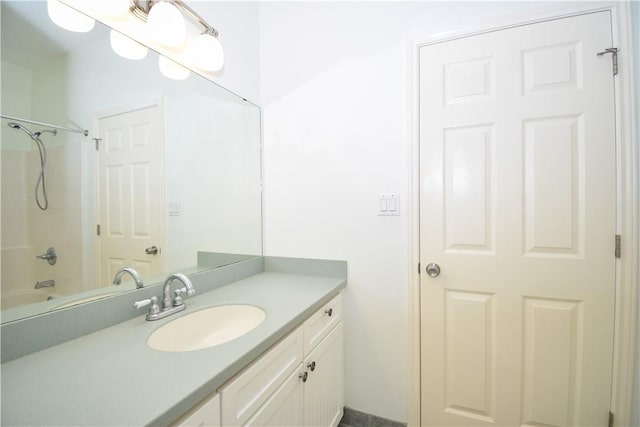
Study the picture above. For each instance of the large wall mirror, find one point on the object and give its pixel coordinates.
(177, 169)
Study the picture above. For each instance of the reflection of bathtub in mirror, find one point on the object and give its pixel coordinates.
(18, 305)
(21, 297)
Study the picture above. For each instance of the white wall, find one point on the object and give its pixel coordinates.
(334, 84)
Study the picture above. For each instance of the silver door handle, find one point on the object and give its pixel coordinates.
(433, 269)
(153, 250)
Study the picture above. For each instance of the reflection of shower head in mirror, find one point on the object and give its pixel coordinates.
(33, 135)
(15, 125)
(41, 189)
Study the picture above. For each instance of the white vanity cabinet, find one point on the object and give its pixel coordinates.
(298, 382)
(206, 414)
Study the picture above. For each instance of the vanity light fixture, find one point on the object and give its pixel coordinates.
(69, 18)
(166, 25)
(162, 22)
(165, 22)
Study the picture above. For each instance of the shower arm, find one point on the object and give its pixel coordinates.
(49, 125)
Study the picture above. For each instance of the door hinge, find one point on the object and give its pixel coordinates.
(98, 229)
(614, 56)
(610, 423)
(418, 268)
(618, 246)
(97, 141)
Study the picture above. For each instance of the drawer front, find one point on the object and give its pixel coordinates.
(243, 395)
(321, 322)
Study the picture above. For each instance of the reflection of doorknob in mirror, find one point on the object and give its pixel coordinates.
(50, 256)
(153, 250)
(433, 269)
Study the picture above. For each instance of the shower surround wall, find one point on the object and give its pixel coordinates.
(28, 231)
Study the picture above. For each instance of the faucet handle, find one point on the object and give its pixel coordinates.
(145, 302)
(179, 292)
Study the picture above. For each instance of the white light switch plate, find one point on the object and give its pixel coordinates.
(175, 208)
(388, 205)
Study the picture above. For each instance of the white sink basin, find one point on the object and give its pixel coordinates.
(206, 328)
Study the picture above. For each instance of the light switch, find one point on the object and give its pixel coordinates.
(393, 204)
(388, 205)
(175, 208)
(384, 205)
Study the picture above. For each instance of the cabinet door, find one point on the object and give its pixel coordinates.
(324, 389)
(246, 393)
(205, 415)
(284, 408)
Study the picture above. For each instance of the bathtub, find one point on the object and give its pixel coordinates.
(25, 296)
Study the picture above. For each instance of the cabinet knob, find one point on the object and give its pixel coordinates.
(329, 311)
(312, 366)
(304, 376)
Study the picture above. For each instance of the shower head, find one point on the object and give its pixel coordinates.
(33, 135)
(15, 125)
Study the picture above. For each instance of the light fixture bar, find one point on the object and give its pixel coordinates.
(141, 8)
(207, 28)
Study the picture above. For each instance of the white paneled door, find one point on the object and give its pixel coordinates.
(131, 201)
(518, 210)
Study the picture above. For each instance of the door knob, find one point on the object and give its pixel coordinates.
(153, 250)
(433, 269)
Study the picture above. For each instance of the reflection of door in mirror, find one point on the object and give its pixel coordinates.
(130, 193)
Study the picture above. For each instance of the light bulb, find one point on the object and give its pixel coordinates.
(172, 69)
(206, 52)
(69, 18)
(166, 24)
(126, 47)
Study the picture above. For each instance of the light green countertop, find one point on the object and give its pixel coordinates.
(112, 378)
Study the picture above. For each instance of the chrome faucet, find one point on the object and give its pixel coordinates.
(168, 306)
(166, 290)
(49, 256)
(136, 276)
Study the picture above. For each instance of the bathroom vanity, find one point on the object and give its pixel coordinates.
(287, 370)
(297, 382)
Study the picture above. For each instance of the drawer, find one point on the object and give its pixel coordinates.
(246, 393)
(321, 322)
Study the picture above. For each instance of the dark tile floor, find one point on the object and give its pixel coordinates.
(353, 418)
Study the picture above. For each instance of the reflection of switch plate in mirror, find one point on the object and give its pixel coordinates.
(174, 208)
(388, 205)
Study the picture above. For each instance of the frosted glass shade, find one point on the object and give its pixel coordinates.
(126, 47)
(166, 24)
(172, 69)
(69, 18)
(207, 53)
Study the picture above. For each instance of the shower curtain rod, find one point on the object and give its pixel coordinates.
(49, 125)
